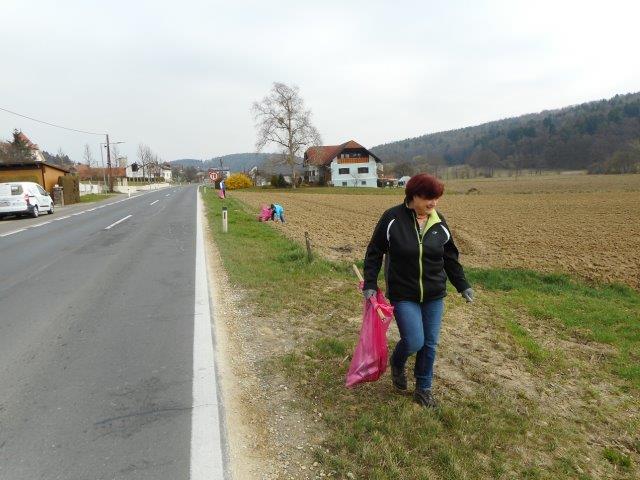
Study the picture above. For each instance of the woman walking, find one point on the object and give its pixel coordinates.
(420, 256)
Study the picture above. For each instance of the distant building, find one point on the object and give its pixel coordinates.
(34, 170)
(258, 177)
(346, 165)
(85, 172)
(165, 168)
(151, 170)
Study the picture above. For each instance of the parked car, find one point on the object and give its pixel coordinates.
(24, 198)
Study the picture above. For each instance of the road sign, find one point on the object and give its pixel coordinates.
(213, 176)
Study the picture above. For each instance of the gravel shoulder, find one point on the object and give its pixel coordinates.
(268, 435)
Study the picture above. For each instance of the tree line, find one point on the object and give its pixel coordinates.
(601, 137)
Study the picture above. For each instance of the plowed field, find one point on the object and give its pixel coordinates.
(584, 225)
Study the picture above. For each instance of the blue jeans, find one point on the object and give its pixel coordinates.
(419, 325)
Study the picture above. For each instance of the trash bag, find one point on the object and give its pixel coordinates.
(370, 357)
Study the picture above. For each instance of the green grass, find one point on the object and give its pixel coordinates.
(262, 260)
(617, 458)
(608, 314)
(374, 433)
(95, 197)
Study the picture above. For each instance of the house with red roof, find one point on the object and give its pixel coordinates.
(346, 165)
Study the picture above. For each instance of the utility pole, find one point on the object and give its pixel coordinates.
(109, 164)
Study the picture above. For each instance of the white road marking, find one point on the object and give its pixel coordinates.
(62, 218)
(206, 443)
(167, 195)
(11, 233)
(119, 221)
(155, 201)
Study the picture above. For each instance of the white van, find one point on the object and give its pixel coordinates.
(24, 198)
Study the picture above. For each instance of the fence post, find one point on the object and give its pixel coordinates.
(308, 242)
(225, 226)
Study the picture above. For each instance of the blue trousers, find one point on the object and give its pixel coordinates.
(419, 325)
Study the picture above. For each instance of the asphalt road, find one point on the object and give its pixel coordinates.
(97, 340)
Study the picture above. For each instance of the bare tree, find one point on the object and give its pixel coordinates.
(155, 165)
(282, 119)
(435, 162)
(145, 156)
(404, 169)
(88, 155)
(115, 155)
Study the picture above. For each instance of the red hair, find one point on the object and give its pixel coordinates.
(424, 185)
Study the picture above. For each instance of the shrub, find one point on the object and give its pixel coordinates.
(70, 188)
(278, 181)
(237, 181)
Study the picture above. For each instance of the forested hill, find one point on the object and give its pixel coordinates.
(576, 137)
(235, 162)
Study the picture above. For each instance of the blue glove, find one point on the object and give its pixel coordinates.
(467, 295)
(368, 293)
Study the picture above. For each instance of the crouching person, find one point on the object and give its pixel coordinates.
(278, 212)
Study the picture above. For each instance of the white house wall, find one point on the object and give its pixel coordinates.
(353, 178)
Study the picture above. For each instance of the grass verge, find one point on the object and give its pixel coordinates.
(95, 197)
(606, 314)
(563, 425)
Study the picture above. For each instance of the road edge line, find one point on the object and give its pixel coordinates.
(207, 459)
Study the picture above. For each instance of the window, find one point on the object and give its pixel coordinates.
(363, 182)
(363, 169)
(41, 190)
(343, 171)
(344, 184)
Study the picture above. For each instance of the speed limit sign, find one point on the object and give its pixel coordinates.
(213, 176)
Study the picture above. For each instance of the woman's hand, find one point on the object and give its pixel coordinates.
(368, 293)
(467, 295)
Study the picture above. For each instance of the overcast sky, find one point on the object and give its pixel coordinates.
(181, 76)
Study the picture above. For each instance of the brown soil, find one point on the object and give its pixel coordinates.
(588, 233)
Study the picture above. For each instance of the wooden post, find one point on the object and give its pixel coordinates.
(308, 242)
(225, 225)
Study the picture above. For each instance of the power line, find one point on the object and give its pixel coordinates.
(50, 124)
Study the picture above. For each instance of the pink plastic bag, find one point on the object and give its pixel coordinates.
(370, 357)
(221, 193)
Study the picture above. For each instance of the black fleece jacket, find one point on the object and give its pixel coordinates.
(418, 263)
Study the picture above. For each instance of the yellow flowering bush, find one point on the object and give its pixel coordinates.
(237, 181)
